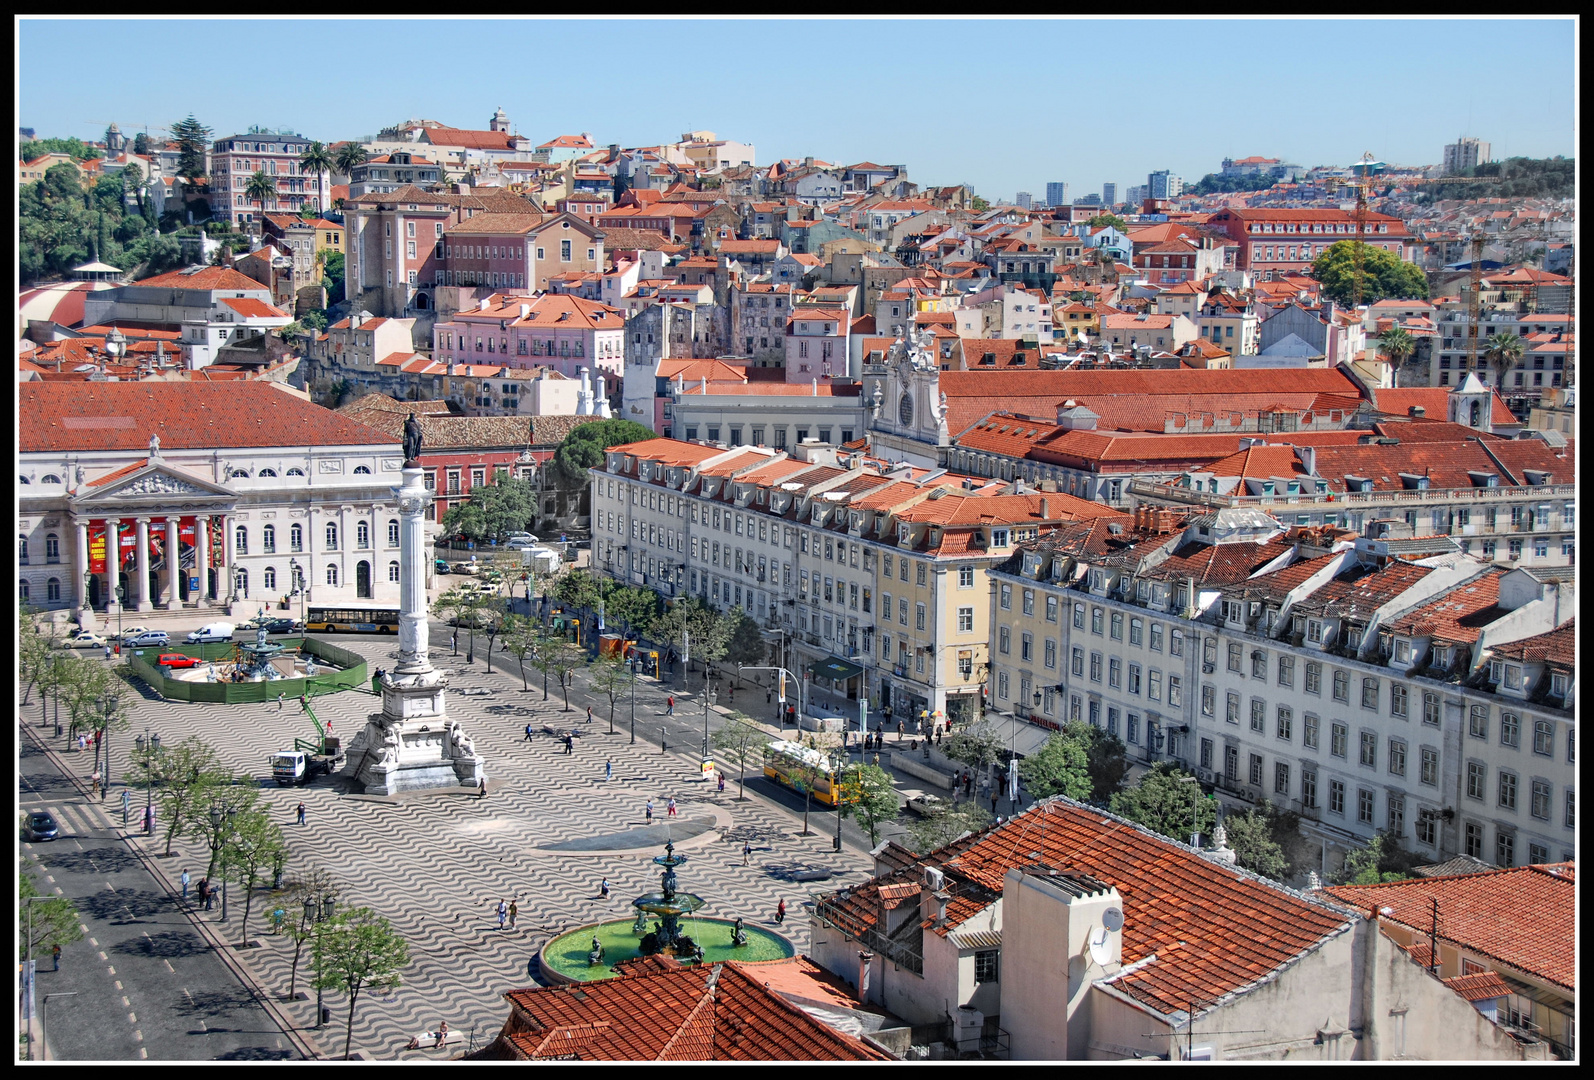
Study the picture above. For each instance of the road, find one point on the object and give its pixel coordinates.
(147, 984)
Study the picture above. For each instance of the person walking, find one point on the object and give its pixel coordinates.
(669, 705)
(649, 818)
(481, 790)
(514, 910)
(55, 957)
(899, 731)
(206, 893)
(780, 911)
(299, 814)
(669, 808)
(603, 889)
(994, 797)
(608, 769)
(570, 744)
(503, 912)
(453, 641)
(589, 714)
(107, 652)
(281, 700)
(747, 851)
(722, 783)
(184, 880)
(528, 732)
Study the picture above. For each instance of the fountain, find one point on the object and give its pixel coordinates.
(669, 905)
(254, 661)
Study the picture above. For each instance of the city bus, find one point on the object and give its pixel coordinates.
(352, 620)
(797, 766)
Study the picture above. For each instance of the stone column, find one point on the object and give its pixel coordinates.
(141, 573)
(113, 563)
(413, 499)
(174, 566)
(202, 558)
(229, 557)
(81, 569)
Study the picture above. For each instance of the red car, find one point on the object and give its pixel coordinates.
(177, 660)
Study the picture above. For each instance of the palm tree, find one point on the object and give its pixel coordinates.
(260, 188)
(1503, 351)
(349, 156)
(1397, 344)
(318, 162)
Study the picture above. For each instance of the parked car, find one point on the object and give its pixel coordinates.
(521, 537)
(464, 568)
(83, 639)
(212, 632)
(148, 639)
(283, 626)
(177, 660)
(129, 633)
(926, 805)
(41, 826)
(441, 566)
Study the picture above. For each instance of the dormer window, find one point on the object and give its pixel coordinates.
(1558, 686)
(1402, 650)
(1314, 630)
(1513, 676)
(1496, 671)
(998, 538)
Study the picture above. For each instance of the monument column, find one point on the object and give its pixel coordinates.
(228, 568)
(82, 559)
(174, 566)
(202, 559)
(113, 564)
(141, 582)
(413, 499)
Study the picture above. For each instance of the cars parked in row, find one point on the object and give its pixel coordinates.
(83, 639)
(148, 639)
(177, 660)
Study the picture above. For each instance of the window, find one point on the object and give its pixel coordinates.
(1001, 679)
(1114, 672)
(1309, 788)
(1281, 778)
(1369, 756)
(362, 534)
(1258, 714)
(1232, 715)
(393, 570)
(269, 576)
(1206, 753)
(1571, 808)
(986, 965)
(1543, 737)
(1029, 601)
(1504, 846)
(1136, 628)
(1095, 667)
(1341, 686)
(1397, 757)
(965, 620)
(1508, 790)
(1231, 762)
(1314, 677)
(1209, 700)
(1258, 664)
(1077, 665)
(268, 540)
(1478, 722)
(332, 537)
(1430, 767)
(1051, 609)
(1026, 648)
(1426, 832)
(1117, 626)
(918, 617)
(1396, 806)
(332, 573)
(1004, 640)
(1430, 708)
(392, 534)
(1510, 729)
(1476, 777)
(923, 569)
(1364, 806)
(1338, 738)
(295, 538)
(1095, 621)
(1336, 797)
(1079, 616)
(1539, 807)
(1286, 670)
(1175, 693)
(1051, 653)
(966, 579)
(1134, 678)
(1006, 597)
(1474, 840)
(1286, 723)
(1369, 693)
(1255, 771)
(1156, 637)
(1234, 656)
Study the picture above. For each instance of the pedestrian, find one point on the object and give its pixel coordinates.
(747, 851)
(876, 758)
(899, 731)
(570, 744)
(669, 705)
(55, 957)
(107, 652)
(481, 790)
(649, 818)
(669, 808)
(280, 701)
(994, 797)
(514, 910)
(94, 783)
(503, 912)
(184, 880)
(299, 814)
(603, 889)
(453, 641)
(589, 714)
(780, 912)
(204, 892)
(722, 783)
(608, 769)
(769, 696)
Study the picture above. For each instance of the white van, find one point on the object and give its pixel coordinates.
(216, 631)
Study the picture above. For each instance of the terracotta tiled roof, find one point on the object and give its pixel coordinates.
(1524, 918)
(1459, 615)
(965, 509)
(186, 416)
(207, 279)
(622, 239)
(491, 224)
(1435, 401)
(1480, 987)
(1216, 564)
(471, 140)
(442, 432)
(1363, 589)
(255, 309)
(668, 451)
(1445, 464)
(1559, 646)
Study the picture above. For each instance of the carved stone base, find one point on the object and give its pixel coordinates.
(412, 745)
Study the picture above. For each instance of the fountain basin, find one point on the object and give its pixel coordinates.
(564, 958)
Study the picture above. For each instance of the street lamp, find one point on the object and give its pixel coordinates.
(148, 747)
(633, 706)
(44, 1042)
(217, 844)
(120, 593)
(838, 760)
(314, 915)
(1195, 795)
(298, 585)
(708, 700)
(105, 738)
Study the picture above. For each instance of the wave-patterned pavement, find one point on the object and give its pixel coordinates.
(437, 864)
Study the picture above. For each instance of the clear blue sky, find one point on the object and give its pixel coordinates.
(1004, 105)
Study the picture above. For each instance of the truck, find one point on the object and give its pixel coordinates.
(309, 758)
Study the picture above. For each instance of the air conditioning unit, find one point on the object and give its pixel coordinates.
(1208, 669)
(1204, 775)
(933, 879)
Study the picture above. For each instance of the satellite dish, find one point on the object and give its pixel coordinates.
(1100, 949)
(1113, 919)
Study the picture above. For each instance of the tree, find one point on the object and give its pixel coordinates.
(348, 157)
(332, 275)
(467, 519)
(631, 607)
(141, 144)
(1165, 804)
(258, 188)
(254, 845)
(317, 162)
(358, 950)
(744, 641)
(566, 657)
(36, 650)
(191, 138)
(870, 796)
(230, 797)
(740, 738)
(179, 773)
(544, 656)
(1381, 859)
(946, 824)
(1503, 351)
(317, 886)
(1384, 275)
(1106, 759)
(583, 449)
(978, 748)
(518, 637)
(1059, 767)
(978, 205)
(55, 921)
(810, 769)
(74, 148)
(578, 589)
(1397, 344)
(1106, 221)
(611, 677)
(1251, 839)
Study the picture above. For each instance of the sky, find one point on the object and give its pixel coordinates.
(1002, 104)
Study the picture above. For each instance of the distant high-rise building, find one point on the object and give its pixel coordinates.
(1056, 193)
(1109, 193)
(1088, 200)
(1024, 200)
(1465, 154)
(1136, 195)
(1164, 185)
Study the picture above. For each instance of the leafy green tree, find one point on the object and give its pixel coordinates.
(258, 188)
(1059, 767)
(254, 846)
(946, 824)
(579, 589)
(744, 641)
(1503, 351)
(348, 157)
(740, 739)
(54, 921)
(332, 276)
(74, 148)
(1380, 860)
(629, 606)
(583, 449)
(1251, 839)
(231, 797)
(317, 161)
(1165, 803)
(192, 138)
(316, 885)
(1106, 759)
(467, 519)
(566, 657)
(176, 774)
(545, 656)
(1397, 344)
(356, 951)
(1384, 275)
(611, 677)
(687, 620)
(1103, 221)
(54, 223)
(36, 652)
(977, 748)
(978, 205)
(1212, 183)
(141, 144)
(518, 636)
(869, 795)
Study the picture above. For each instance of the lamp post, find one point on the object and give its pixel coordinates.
(110, 703)
(120, 593)
(219, 817)
(44, 1042)
(782, 702)
(148, 746)
(298, 585)
(838, 760)
(1195, 795)
(633, 707)
(708, 700)
(315, 914)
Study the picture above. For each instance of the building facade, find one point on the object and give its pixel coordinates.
(234, 159)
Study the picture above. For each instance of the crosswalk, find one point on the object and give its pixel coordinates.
(76, 819)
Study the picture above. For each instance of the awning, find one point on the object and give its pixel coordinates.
(834, 667)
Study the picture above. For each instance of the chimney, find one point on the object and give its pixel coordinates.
(1046, 509)
(864, 960)
(1416, 411)
(525, 311)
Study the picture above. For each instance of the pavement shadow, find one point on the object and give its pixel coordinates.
(251, 1053)
(213, 1003)
(169, 945)
(101, 861)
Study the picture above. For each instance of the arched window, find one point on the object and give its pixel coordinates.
(295, 537)
(295, 472)
(52, 547)
(362, 534)
(362, 470)
(268, 539)
(238, 474)
(240, 540)
(332, 573)
(393, 570)
(50, 478)
(53, 590)
(332, 536)
(268, 472)
(23, 593)
(243, 583)
(24, 479)
(269, 577)
(392, 534)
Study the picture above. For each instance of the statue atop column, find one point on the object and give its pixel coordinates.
(412, 439)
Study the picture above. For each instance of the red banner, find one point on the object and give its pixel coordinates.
(185, 531)
(97, 549)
